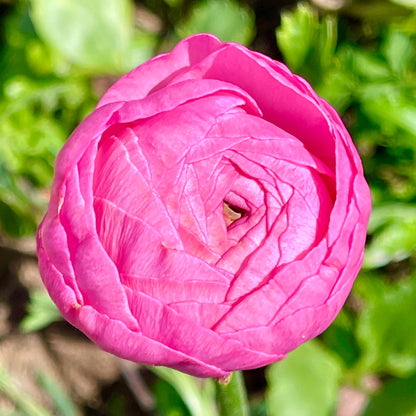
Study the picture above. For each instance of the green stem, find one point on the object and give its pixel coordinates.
(232, 396)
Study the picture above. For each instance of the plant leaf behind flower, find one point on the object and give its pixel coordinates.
(96, 34)
(305, 383)
(41, 312)
(200, 399)
(228, 20)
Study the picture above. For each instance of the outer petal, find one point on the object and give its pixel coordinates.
(153, 74)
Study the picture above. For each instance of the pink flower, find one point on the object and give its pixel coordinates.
(209, 215)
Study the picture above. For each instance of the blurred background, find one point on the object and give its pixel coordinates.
(57, 57)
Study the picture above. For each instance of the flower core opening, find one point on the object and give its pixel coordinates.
(232, 213)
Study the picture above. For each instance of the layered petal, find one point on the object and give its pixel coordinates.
(209, 215)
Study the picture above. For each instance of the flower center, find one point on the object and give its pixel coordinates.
(232, 213)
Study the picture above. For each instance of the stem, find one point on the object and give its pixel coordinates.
(232, 396)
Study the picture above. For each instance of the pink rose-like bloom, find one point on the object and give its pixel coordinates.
(209, 215)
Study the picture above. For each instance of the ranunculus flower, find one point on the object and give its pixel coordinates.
(209, 215)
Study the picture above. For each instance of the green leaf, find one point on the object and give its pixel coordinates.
(307, 42)
(326, 40)
(339, 83)
(295, 35)
(16, 206)
(227, 19)
(339, 337)
(93, 34)
(198, 397)
(31, 128)
(394, 234)
(369, 67)
(62, 403)
(411, 4)
(385, 329)
(378, 11)
(142, 48)
(389, 106)
(36, 115)
(17, 32)
(41, 312)
(399, 51)
(305, 383)
(168, 401)
(397, 398)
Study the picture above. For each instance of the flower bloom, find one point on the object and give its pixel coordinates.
(209, 215)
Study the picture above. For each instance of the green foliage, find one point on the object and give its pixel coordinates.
(340, 339)
(62, 403)
(31, 152)
(198, 395)
(16, 204)
(380, 10)
(385, 328)
(32, 131)
(397, 398)
(398, 49)
(168, 400)
(38, 109)
(307, 43)
(41, 311)
(305, 383)
(96, 34)
(227, 19)
(394, 229)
